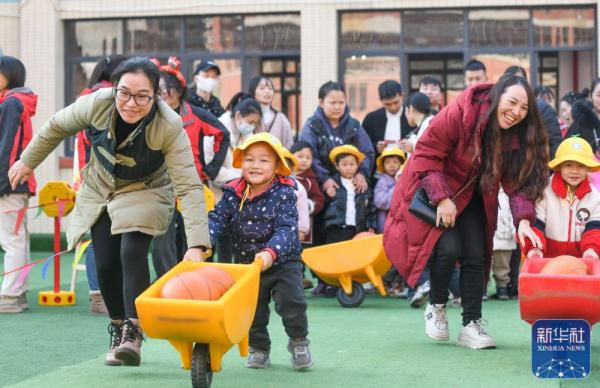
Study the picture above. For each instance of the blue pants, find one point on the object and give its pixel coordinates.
(90, 269)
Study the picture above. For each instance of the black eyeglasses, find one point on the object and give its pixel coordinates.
(140, 99)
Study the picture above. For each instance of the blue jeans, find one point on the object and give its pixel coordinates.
(90, 268)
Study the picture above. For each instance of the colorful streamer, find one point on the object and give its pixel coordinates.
(80, 251)
(20, 217)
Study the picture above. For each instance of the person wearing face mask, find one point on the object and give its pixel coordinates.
(262, 90)
(491, 135)
(141, 160)
(206, 80)
(200, 126)
(243, 115)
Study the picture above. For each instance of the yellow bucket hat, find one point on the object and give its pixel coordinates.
(295, 162)
(272, 141)
(346, 149)
(575, 149)
(390, 151)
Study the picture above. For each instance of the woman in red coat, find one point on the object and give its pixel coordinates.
(491, 135)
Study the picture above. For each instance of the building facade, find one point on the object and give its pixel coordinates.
(300, 44)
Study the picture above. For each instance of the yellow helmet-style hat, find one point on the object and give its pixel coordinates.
(267, 138)
(390, 151)
(294, 160)
(575, 149)
(346, 149)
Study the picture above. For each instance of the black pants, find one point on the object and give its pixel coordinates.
(336, 234)
(283, 283)
(168, 249)
(122, 265)
(465, 241)
(224, 248)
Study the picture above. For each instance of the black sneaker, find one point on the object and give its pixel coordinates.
(319, 290)
(502, 293)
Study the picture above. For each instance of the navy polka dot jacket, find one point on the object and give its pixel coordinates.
(268, 221)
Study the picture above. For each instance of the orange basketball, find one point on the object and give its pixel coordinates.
(564, 265)
(190, 285)
(219, 278)
(363, 235)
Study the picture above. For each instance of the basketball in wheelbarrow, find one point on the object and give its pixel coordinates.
(202, 331)
(348, 265)
(565, 294)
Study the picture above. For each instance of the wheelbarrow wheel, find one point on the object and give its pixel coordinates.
(354, 299)
(201, 372)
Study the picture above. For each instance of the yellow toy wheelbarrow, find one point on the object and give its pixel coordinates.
(348, 264)
(203, 331)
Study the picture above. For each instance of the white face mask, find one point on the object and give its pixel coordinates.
(245, 128)
(206, 84)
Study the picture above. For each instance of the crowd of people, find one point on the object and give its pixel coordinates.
(145, 136)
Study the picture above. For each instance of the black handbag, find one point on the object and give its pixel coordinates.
(422, 208)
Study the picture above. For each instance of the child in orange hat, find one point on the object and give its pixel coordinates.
(259, 209)
(347, 212)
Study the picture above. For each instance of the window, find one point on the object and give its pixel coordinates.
(362, 78)
(272, 32)
(433, 29)
(496, 64)
(563, 27)
(499, 28)
(363, 30)
(215, 33)
(160, 35)
(95, 38)
(448, 68)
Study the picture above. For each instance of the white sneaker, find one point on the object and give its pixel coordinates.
(474, 336)
(436, 322)
(10, 305)
(421, 295)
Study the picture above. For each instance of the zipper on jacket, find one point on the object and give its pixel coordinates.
(570, 221)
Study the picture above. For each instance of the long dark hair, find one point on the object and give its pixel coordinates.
(527, 165)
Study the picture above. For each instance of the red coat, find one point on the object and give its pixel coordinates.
(444, 160)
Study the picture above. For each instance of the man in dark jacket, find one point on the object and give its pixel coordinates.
(388, 124)
(206, 80)
(550, 120)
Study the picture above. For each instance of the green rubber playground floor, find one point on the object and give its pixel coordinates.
(380, 344)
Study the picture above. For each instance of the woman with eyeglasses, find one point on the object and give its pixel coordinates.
(140, 152)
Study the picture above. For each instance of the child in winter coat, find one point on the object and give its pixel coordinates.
(301, 196)
(504, 245)
(259, 209)
(347, 212)
(306, 176)
(388, 166)
(569, 197)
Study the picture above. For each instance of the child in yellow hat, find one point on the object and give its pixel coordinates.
(568, 216)
(347, 212)
(388, 166)
(259, 210)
